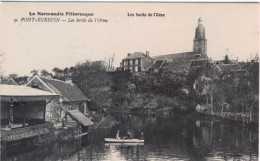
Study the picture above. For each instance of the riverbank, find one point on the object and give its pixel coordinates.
(165, 137)
(240, 120)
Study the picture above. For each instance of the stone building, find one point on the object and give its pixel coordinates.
(177, 62)
(23, 112)
(182, 62)
(71, 98)
(137, 62)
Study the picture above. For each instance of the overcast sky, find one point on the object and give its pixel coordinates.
(41, 45)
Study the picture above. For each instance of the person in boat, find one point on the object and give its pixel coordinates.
(117, 135)
(142, 136)
(128, 135)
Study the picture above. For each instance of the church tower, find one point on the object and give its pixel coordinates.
(200, 41)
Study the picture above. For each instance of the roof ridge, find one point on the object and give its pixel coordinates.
(174, 53)
(56, 80)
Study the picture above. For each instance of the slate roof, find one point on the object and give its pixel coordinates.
(181, 56)
(23, 93)
(68, 91)
(177, 57)
(198, 63)
(136, 55)
(176, 66)
(80, 117)
(158, 64)
(229, 67)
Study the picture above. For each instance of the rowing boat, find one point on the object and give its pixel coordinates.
(113, 140)
(124, 144)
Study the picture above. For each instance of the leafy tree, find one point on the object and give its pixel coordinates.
(226, 60)
(93, 79)
(13, 76)
(66, 72)
(45, 73)
(58, 73)
(21, 80)
(34, 72)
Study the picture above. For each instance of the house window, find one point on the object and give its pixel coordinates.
(136, 68)
(131, 62)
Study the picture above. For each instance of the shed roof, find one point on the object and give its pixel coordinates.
(22, 93)
(67, 90)
(80, 117)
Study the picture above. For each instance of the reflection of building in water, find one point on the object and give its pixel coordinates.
(51, 152)
(72, 104)
(218, 138)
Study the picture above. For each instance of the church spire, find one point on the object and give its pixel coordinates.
(199, 21)
(200, 41)
(200, 30)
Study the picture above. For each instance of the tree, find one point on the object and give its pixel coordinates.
(58, 73)
(66, 72)
(34, 72)
(93, 79)
(45, 73)
(13, 76)
(110, 66)
(212, 91)
(226, 60)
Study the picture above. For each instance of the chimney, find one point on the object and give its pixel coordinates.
(128, 54)
(147, 54)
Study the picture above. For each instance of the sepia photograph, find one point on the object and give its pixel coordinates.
(115, 81)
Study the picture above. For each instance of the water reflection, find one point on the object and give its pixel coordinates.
(165, 139)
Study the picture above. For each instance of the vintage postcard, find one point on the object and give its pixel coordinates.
(129, 81)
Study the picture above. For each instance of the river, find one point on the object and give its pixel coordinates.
(174, 138)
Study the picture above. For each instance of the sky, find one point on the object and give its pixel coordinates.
(44, 45)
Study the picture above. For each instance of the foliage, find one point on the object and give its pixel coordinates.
(45, 73)
(19, 79)
(237, 90)
(149, 90)
(226, 60)
(34, 72)
(93, 79)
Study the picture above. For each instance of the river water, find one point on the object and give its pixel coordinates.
(175, 138)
